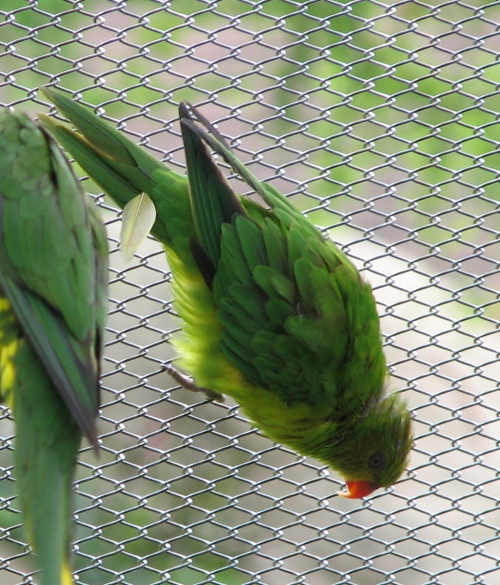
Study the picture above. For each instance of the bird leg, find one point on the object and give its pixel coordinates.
(189, 384)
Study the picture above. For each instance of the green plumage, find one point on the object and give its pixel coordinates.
(273, 313)
(53, 305)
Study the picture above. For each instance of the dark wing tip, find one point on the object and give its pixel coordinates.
(188, 112)
(184, 108)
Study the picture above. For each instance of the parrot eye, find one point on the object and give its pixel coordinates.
(376, 461)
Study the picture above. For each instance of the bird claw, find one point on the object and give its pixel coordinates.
(189, 384)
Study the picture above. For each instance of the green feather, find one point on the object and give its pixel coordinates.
(274, 283)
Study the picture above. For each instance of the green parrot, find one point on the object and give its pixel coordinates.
(53, 306)
(274, 314)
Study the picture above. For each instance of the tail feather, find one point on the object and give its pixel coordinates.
(47, 442)
(119, 166)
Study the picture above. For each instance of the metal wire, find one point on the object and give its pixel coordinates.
(379, 120)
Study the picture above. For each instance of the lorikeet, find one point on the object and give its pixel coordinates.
(53, 305)
(274, 314)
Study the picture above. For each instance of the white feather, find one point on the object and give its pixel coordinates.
(138, 218)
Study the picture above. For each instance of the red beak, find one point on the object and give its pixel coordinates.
(358, 489)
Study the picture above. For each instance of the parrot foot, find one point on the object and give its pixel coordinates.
(188, 383)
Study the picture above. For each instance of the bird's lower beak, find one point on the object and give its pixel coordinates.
(358, 489)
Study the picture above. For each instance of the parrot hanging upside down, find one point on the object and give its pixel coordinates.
(53, 307)
(273, 313)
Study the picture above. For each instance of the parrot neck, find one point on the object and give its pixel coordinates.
(334, 434)
(302, 428)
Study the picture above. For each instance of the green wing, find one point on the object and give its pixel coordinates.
(53, 305)
(53, 264)
(291, 305)
(67, 362)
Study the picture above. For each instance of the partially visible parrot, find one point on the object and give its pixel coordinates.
(53, 306)
(274, 314)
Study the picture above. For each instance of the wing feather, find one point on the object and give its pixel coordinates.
(53, 264)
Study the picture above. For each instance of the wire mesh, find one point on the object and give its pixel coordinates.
(379, 120)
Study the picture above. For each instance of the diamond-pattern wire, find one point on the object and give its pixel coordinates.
(378, 119)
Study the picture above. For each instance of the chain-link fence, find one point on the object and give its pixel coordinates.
(379, 119)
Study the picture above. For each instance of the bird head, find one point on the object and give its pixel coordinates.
(375, 451)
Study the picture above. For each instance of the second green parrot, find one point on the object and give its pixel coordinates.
(53, 306)
(274, 314)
